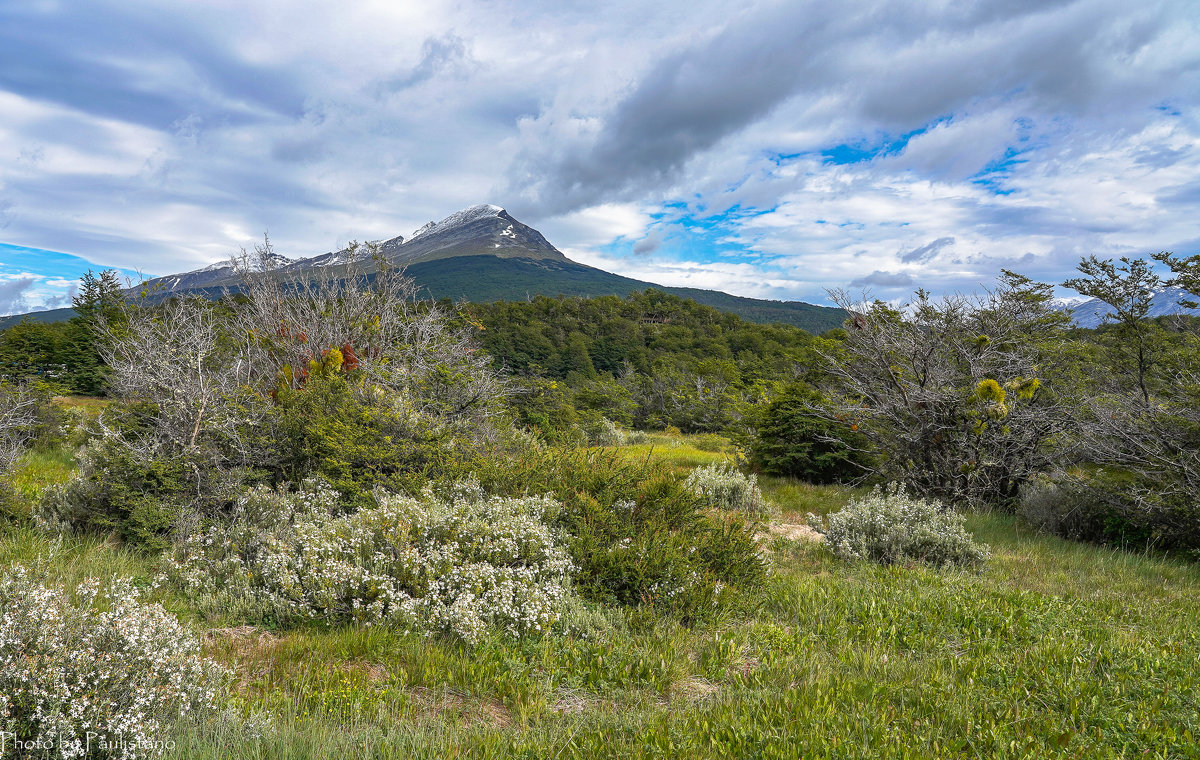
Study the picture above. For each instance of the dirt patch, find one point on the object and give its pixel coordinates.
(792, 532)
(494, 713)
(372, 672)
(450, 703)
(570, 701)
(242, 636)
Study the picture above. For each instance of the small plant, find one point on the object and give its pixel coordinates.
(889, 526)
(458, 563)
(100, 674)
(721, 486)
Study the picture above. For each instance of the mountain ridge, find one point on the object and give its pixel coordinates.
(482, 253)
(1093, 312)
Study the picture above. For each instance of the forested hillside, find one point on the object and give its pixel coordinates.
(648, 360)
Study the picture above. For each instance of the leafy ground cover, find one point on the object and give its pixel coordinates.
(1053, 649)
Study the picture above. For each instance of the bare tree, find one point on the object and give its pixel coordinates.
(210, 371)
(367, 311)
(18, 421)
(173, 355)
(952, 394)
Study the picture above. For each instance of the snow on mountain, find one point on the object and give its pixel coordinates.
(458, 219)
(486, 228)
(1093, 312)
(276, 260)
(422, 230)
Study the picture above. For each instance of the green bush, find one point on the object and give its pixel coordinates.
(793, 441)
(1111, 507)
(142, 499)
(337, 430)
(889, 527)
(636, 534)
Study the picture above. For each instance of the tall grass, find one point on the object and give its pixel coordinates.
(1055, 649)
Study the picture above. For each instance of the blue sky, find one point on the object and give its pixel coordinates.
(769, 149)
(35, 279)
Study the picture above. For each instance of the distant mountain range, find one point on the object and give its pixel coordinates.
(1165, 302)
(483, 254)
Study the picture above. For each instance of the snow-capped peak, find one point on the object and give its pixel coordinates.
(1067, 302)
(224, 264)
(422, 229)
(275, 261)
(466, 216)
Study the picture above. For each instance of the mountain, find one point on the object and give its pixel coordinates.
(483, 254)
(1164, 303)
(479, 230)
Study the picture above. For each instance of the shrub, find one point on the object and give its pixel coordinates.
(75, 679)
(721, 486)
(889, 526)
(793, 440)
(1111, 507)
(459, 563)
(143, 499)
(357, 438)
(636, 534)
(26, 416)
(601, 431)
(710, 442)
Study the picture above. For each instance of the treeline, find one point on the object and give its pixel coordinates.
(648, 361)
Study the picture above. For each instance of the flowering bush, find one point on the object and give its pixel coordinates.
(81, 681)
(721, 486)
(889, 526)
(457, 563)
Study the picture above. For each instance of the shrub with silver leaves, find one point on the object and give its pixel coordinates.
(721, 486)
(890, 526)
(460, 563)
(81, 679)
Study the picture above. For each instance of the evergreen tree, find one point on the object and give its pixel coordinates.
(99, 306)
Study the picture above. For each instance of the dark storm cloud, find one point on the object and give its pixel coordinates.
(891, 67)
(927, 251)
(688, 102)
(102, 58)
(883, 280)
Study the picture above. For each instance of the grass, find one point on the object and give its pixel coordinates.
(1055, 649)
(93, 405)
(39, 469)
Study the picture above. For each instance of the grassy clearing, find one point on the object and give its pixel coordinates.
(39, 469)
(682, 452)
(91, 404)
(1056, 649)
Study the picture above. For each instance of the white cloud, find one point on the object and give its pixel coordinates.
(201, 126)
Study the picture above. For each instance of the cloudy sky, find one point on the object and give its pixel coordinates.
(769, 149)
